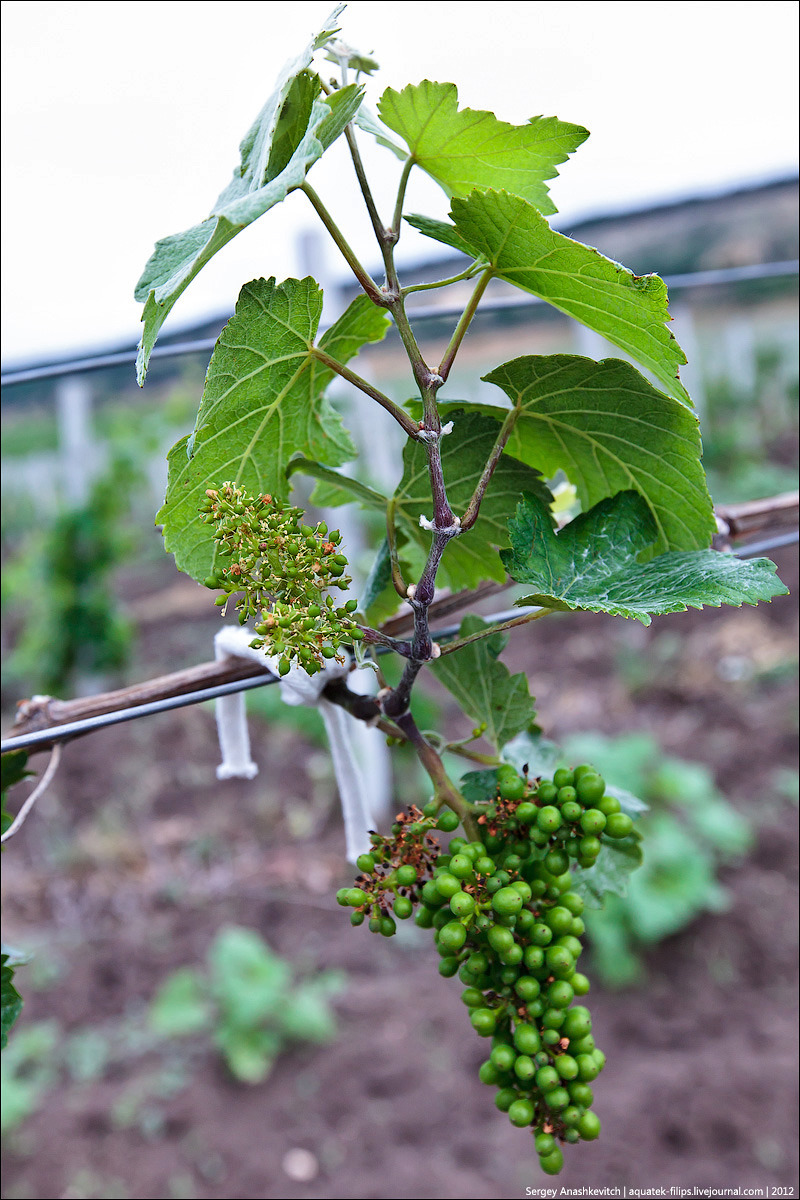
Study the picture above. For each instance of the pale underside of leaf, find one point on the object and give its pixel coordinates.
(468, 148)
(290, 133)
(592, 565)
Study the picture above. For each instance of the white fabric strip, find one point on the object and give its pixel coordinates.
(296, 688)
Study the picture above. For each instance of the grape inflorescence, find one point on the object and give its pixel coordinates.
(282, 571)
(507, 923)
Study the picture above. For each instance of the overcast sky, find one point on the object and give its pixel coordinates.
(122, 123)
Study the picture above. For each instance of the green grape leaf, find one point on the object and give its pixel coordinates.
(592, 564)
(294, 128)
(541, 756)
(485, 688)
(609, 430)
(441, 231)
(379, 600)
(479, 786)
(467, 148)
(13, 765)
(181, 1006)
(629, 310)
(10, 1000)
(471, 558)
(677, 881)
(263, 403)
(611, 870)
(338, 489)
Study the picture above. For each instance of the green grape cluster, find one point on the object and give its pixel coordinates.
(506, 922)
(281, 569)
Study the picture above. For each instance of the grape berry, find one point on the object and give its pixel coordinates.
(507, 923)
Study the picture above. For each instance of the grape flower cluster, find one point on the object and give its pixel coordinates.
(282, 571)
(506, 920)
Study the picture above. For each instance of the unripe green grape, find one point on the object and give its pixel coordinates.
(524, 889)
(520, 1113)
(548, 818)
(547, 1078)
(581, 770)
(587, 1068)
(453, 935)
(536, 1007)
(566, 795)
(456, 845)
(483, 922)
(448, 822)
(600, 1059)
(563, 777)
(538, 888)
(557, 1099)
(526, 812)
(525, 921)
(551, 1037)
(578, 1022)
(508, 975)
(618, 825)
(448, 967)
(505, 1098)
(589, 1126)
(485, 865)
(541, 934)
(578, 928)
(557, 862)
(527, 1039)
(591, 789)
(559, 919)
(442, 917)
(570, 1116)
(572, 944)
(560, 994)
(484, 1021)
(551, 1164)
(341, 896)
(608, 805)
(503, 1056)
(534, 957)
(446, 885)
(462, 904)
(466, 976)
(512, 862)
(524, 1068)
(580, 984)
(356, 918)
(365, 863)
(571, 1136)
(403, 908)
(593, 821)
(559, 960)
(539, 837)
(406, 875)
(527, 988)
(567, 1067)
(500, 939)
(512, 955)
(388, 927)
(582, 1045)
(512, 788)
(424, 919)
(477, 962)
(507, 901)
(545, 1143)
(494, 883)
(571, 811)
(546, 792)
(356, 897)
(589, 847)
(461, 866)
(431, 895)
(488, 1073)
(553, 1018)
(473, 998)
(581, 1094)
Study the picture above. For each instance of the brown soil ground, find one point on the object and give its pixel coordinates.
(138, 856)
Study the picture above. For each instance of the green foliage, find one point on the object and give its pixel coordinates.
(27, 1071)
(592, 564)
(629, 310)
(689, 832)
(249, 1000)
(264, 401)
(14, 768)
(484, 688)
(465, 149)
(293, 130)
(10, 999)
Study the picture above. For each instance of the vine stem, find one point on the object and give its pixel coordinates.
(473, 508)
(403, 419)
(470, 273)
(463, 324)
(39, 790)
(401, 195)
(364, 278)
(523, 619)
(444, 790)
